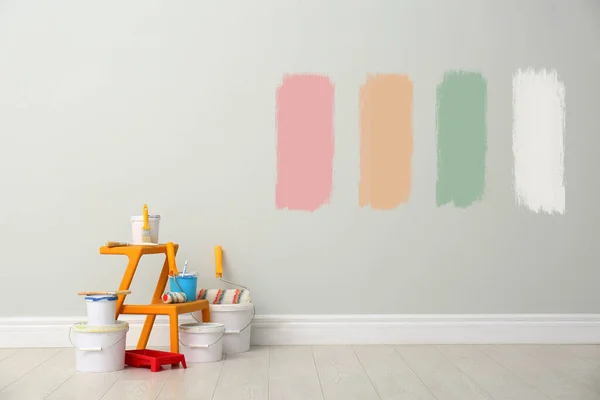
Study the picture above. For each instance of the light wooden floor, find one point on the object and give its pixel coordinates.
(523, 372)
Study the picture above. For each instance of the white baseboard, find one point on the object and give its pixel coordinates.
(343, 329)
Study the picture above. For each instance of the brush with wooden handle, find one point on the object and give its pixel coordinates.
(116, 292)
(124, 244)
(116, 244)
(146, 232)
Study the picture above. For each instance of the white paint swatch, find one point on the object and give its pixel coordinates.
(538, 140)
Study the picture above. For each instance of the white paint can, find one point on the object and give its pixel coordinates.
(137, 223)
(201, 342)
(99, 348)
(101, 309)
(237, 319)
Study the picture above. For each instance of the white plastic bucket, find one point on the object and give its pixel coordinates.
(202, 342)
(101, 309)
(137, 223)
(99, 348)
(237, 319)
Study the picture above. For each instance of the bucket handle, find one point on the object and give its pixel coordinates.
(249, 323)
(202, 346)
(253, 307)
(94, 349)
(232, 283)
(177, 283)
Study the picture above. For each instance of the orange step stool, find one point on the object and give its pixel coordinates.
(156, 306)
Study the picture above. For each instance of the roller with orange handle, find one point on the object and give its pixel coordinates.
(219, 261)
(171, 259)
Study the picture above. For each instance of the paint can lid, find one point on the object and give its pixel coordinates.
(187, 274)
(116, 327)
(141, 217)
(205, 327)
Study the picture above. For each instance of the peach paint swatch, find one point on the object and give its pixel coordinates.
(386, 141)
(305, 142)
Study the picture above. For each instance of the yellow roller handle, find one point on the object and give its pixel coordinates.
(171, 258)
(219, 261)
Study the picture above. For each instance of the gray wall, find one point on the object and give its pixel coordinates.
(107, 105)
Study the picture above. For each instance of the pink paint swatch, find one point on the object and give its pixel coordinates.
(304, 142)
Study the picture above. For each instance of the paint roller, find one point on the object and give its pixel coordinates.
(224, 296)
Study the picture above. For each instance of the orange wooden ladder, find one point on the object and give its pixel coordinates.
(156, 306)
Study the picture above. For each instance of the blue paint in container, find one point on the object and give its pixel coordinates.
(187, 283)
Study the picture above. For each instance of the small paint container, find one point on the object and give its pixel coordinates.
(137, 223)
(187, 284)
(101, 309)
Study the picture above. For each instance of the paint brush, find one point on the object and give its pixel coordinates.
(124, 244)
(115, 244)
(116, 292)
(146, 233)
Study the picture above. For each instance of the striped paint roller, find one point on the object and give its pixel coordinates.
(174, 297)
(225, 296)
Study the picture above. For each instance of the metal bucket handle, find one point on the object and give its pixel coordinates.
(232, 283)
(249, 323)
(196, 319)
(177, 283)
(253, 306)
(95, 348)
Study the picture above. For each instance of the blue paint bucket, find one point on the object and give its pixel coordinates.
(187, 283)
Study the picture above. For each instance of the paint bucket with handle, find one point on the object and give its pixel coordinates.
(99, 348)
(230, 307)
(187, 284)
(183, 285)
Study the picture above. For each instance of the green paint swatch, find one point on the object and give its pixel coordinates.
(461, 138)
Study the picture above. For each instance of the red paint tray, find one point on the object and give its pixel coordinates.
(153, 359)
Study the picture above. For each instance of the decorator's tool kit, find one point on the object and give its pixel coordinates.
(223, 317)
